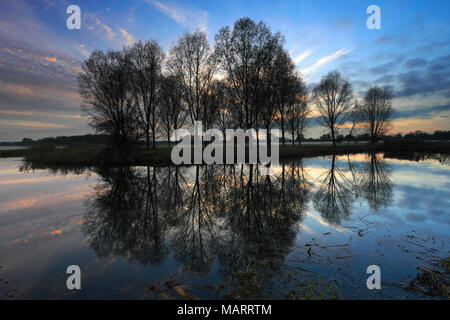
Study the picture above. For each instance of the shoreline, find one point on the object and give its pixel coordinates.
(89, 155)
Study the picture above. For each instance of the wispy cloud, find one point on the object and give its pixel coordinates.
(32, 113)
(302, 56)
(128, 38)
(189, 18)
(32, 124)
(110, 35)
(327, 59)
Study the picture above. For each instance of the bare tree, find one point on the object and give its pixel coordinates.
(244, 51)
(333, 100)
(376, 112)
(146, 61)
(286, 84)
(297, 112)
(272, 75)
(104, 85)
(172, 110)
(193, 62)
(220, 105)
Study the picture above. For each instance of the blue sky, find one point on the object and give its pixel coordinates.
(40, 57)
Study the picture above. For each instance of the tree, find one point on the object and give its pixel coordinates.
(193, 62)
(104, 85)
(297, 111)
(287, 85)
(173, 112)
(146, 60)
(219, 103)
(376, 112)
(244, 51)
(333, 100)
(272, 87)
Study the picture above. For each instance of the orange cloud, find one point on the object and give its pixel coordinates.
(409, 124)
(40, 113)
(51, 59)
(32, 124)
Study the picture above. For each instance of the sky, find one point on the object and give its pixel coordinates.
(40, 57)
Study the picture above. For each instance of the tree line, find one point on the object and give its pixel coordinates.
(246, 79)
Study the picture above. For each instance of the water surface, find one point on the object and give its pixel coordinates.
(309, 230)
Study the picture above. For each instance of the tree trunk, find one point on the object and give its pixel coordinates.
(332, 138)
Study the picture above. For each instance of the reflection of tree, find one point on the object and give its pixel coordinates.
(261, 216)
(195, 235)
(376, 185)
(124, 218)
(198, 214)
(334, 196)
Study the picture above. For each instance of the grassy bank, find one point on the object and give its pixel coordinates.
(85, 155)
(13, 153)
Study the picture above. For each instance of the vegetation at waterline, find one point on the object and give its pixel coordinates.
(94, 155)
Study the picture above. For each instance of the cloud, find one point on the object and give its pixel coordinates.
(191, 19)
(33, 113)
(302, 56)
(385, 40)
(32, 124)
(414, 63)
(343, 23)
(383, 68)
(128, 38)
(327, 59)
(51, 59)
(110, 35)
(422, 113)
(414, 82)
(439, 64)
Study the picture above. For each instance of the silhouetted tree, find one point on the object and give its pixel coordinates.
(193, 62)
(333, 100)
(173, 112)
(245, 52)
(286, 85)
(297, 111)
(376, 112)
(105, 85)
(146, 60)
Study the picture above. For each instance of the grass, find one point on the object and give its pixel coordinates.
(95, 155)
(13, 153)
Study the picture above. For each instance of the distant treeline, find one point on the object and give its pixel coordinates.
(418, 135)
(64, 140)
(438, 135)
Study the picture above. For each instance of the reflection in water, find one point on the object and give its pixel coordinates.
(376, 184)
(334, 197)
(223, 230)
(198, 214)
(339, 188)
(124, 218)
(231, 213)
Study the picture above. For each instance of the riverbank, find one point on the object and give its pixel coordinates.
(96, 155)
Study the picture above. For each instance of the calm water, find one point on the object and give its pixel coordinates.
(13, 147)
(310, 230)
